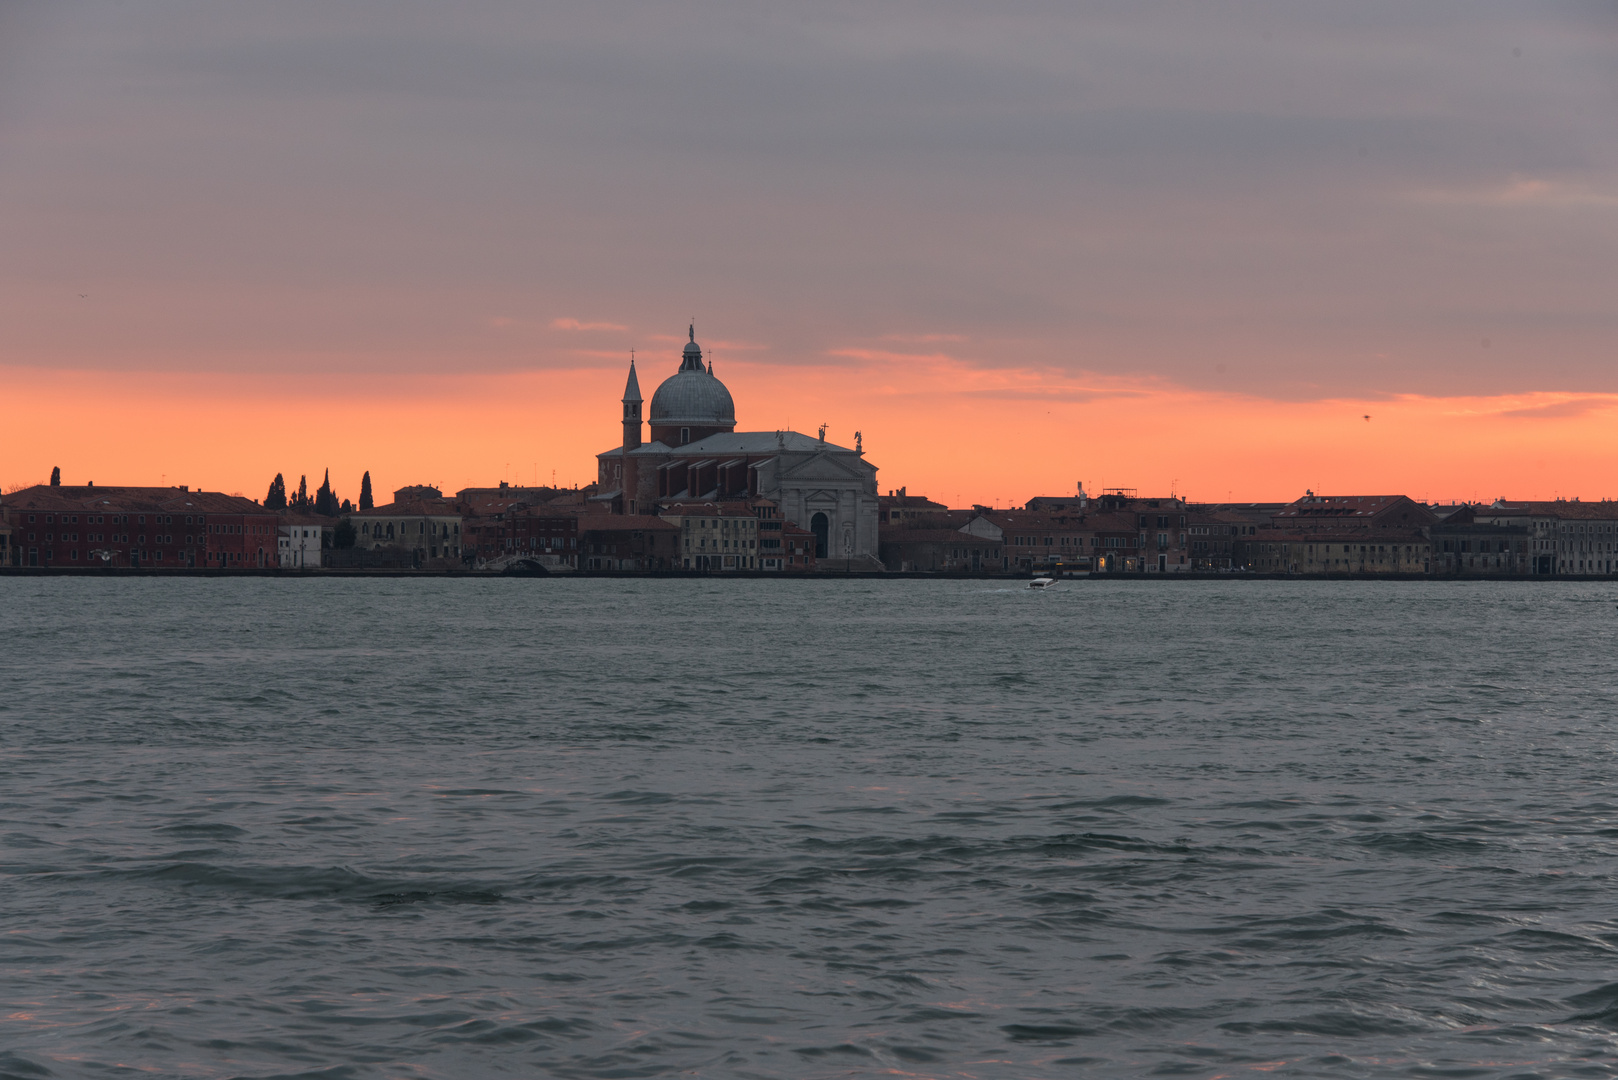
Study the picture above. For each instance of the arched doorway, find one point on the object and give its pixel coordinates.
(820, 526)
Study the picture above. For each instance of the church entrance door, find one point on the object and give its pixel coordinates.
(820, 526)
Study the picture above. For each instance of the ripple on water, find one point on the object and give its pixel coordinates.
(605, 828)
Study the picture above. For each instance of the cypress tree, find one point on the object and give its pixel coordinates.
(302, 501)
(325, 501)
(56, 476)
(366, 502)
(277, 498)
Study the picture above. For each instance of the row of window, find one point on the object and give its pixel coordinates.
(1073, 541)
(117, 519)
(724, 524)
(73, 555)
(139, 518)
(702, 542)
(1483, 546)
(117, 538)
(368, 529)
(542, 543)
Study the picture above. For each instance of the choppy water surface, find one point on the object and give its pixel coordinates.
(599, 828)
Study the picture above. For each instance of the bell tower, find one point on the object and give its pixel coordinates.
(632, 402)
(628, 496)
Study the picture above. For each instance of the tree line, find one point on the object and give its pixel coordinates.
(325, 501)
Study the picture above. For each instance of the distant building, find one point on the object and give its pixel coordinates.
(1353, 512)
(1061, 542)
(150, 527)
(900, 510)
(1353, 550)
(1564, 536)
(301, 541)
(1213, 536)
(419, 522)
(506, 525)
(695, 453)
(716, 535)
(1463, 546)
(1159, 542)
(626, 542)
(941, 550)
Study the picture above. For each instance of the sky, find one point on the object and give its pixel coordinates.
(1231, 251)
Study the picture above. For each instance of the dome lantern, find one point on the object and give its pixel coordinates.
(691, 404)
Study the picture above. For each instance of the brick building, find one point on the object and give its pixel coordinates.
(139, 527)
(897, 509)
(626, 542)
(505, 524)
(536, 534)
(1353, 512)
(1213, 536)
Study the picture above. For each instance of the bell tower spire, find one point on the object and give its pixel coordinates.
(632, 403)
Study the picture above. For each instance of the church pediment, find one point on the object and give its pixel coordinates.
(824, 466)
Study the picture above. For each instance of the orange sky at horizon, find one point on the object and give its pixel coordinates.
(958, 434)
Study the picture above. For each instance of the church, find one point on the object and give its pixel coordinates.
(695, 454)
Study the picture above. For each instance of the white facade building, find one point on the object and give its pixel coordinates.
(299, 545)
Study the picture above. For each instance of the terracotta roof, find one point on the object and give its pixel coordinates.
(43, 497)
(1568, 509)
(413, 508)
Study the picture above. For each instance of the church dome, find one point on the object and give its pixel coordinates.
(692, 397)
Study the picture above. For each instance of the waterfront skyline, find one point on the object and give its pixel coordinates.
(1016, 251)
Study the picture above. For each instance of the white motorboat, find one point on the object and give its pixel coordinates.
(1042, 583)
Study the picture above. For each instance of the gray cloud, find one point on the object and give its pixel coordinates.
(1283, 199)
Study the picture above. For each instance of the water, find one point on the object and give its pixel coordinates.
(604, 828)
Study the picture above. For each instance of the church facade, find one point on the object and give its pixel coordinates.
(694, 453)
